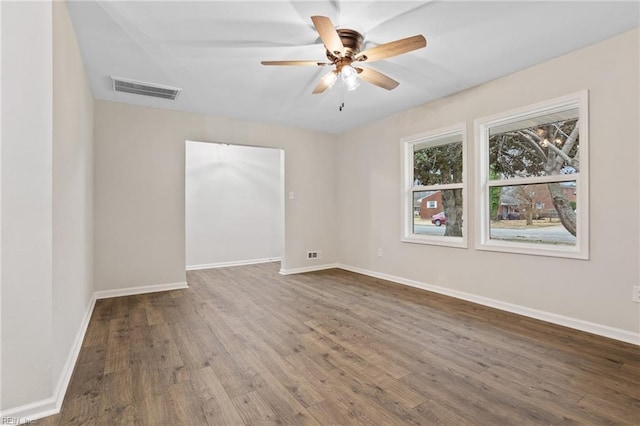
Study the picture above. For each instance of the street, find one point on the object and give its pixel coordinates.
(555, 234)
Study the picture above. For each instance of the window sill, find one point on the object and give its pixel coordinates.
(456, 242)
(567, 252)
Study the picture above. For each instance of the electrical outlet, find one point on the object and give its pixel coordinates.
(313, 255)
(636, 294)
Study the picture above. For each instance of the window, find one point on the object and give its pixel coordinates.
(533, 186)
(434, 197)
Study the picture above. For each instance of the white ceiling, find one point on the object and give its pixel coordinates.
(212, 50)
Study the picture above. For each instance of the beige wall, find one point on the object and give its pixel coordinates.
(46, 162)
(72, 190)
(140, 190)
(598, 290)
(26, 231)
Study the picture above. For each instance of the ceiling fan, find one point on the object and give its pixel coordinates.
(343, 50)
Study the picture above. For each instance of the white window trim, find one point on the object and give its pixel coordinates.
(407, 144)
(482, 126)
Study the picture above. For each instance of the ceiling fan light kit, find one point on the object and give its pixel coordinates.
(329, 79)
(343, 49)
(349, 77)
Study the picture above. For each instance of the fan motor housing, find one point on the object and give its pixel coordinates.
(352, 42)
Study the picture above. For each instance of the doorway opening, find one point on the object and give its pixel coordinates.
(234, 205)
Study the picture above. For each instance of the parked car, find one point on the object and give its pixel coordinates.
(439, 219)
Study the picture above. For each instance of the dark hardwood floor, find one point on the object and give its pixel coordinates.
(245, 345)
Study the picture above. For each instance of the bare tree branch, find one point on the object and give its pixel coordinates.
(561, 154)
(535, 144)
(572, 138)
(557, 126)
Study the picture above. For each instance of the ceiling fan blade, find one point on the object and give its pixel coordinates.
(377, 78)
(303, 63)
(328, 34)
(393, 48)
(326, 82)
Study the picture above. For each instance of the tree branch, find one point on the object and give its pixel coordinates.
(571, 140)
(561, 154)
(534, 144)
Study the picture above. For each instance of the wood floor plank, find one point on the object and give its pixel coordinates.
(235, 380)
(557, 401)
(246, 345)
(350, 409)
(456, 392)
(217, 407)
(338, 392)
(435, 413)
(621, 409)
(117, 361)
(281, 401)
(80, 410)
(151, 407)
(116, 401)
(361, 344)
(165, 349)
(294, 380)
(254, 410)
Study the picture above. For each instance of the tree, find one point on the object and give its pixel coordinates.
(544, 150)
(441, 165)
(494, 197)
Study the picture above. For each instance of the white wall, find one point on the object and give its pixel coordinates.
(26, 192)
(233, 204)
(140, 190)
(72, 191)
(46, 209)
(596, 291)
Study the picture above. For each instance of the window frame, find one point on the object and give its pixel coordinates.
(482, 128)
(431, 138)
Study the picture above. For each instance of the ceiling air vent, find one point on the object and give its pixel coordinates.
(145, 89)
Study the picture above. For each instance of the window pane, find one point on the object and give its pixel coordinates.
(437, 164)
(538, 214)
(445, 219)
(525, 150)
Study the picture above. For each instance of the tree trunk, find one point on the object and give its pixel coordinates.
(563, 207)
(452, 203)
(529, 213)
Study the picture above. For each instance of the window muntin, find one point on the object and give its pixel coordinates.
(434, 196)
(533, 167)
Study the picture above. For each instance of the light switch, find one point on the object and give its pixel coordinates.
(291, 196)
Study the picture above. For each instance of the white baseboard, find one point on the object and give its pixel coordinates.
(590, 327)
(50, 406)
(105, 294)
(27, 413)
(308, 269)
(232, 263)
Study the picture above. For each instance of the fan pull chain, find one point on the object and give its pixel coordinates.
(341, 106)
